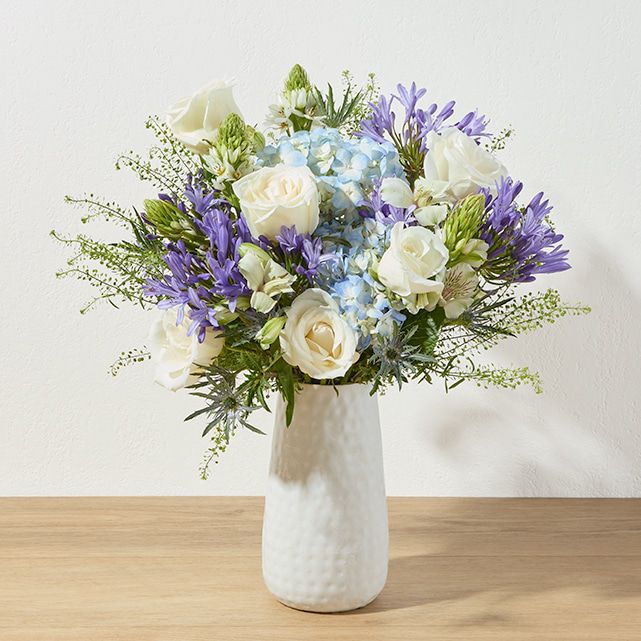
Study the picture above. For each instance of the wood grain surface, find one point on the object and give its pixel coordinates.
(188, 569)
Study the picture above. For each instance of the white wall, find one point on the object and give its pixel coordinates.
(78, 79)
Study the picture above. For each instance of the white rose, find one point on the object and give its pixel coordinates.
(178, 356)
(457, 167)
(275, 196)
(196, 119)
(413, 265)
(316, 339)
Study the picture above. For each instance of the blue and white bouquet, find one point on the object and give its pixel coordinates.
(365, 239)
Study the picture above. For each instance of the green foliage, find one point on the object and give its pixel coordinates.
(410, 154)
(95, 207)
(130, 357)
(239, 382)
(353, 106)
(461, 370)
(497, 316)
(506, 377)
(335, 115)
(117, 270)
(369, 92)
(426, 328)
(166, 163)
(499, 141)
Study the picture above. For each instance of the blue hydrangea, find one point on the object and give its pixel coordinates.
(347, 168)
(361, 298)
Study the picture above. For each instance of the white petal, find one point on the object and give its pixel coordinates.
(396, 192)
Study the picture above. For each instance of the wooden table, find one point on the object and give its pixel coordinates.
(188, 569)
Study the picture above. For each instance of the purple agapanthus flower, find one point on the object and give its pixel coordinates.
(306, 253)
(183, 273)
(417, 122)
(312, 258)
(289, 240)
(521, 242)
(375, 207)
(201, 281)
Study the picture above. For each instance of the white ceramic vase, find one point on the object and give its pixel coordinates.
(325, 534)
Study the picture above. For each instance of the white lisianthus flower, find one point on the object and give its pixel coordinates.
(194, 120)
(264, 276)
(316, 339)
(396, 192)
(474, 252)
(275, 196)
(431, 215)
(461, 283)
(270, 332)
(457, 167)
(412, 267)
(177, 356)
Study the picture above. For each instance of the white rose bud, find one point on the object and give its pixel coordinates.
(457, 167)
(316, 339)
(177, 356)
(275, 196)
(412, 267)
(195, 120)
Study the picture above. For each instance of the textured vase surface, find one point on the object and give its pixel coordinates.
(325, 534)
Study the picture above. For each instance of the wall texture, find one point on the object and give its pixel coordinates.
(79, 79)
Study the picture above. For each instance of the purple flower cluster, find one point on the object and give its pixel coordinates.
(375, 207)
(200, 281)
(521, 242)
(417, 122)
(305, 252)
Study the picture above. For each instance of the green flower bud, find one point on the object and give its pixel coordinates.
(462, 225)
(270, 331)
(232, 133)
(160, 212)
(255, 137)
(223, 315)
(171, 223)
(297, 79)
(250, 248)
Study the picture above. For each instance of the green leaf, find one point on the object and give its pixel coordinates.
(426, 327)
(203, 410)
(287, 387)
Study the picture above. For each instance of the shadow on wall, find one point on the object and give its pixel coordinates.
(581, 436)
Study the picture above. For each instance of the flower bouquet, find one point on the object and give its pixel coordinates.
(357, 242)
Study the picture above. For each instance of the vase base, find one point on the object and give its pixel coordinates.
(329, 608)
